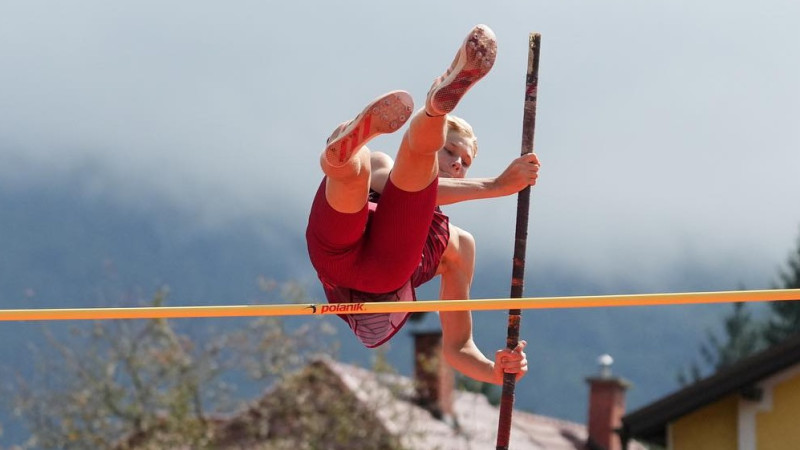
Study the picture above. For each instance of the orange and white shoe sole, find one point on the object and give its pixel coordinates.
(473, 61)
(386, 114)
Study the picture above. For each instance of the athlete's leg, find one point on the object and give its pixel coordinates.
(405, 212)
(392, 246)
(415, 166)
(345, 160)
(339, 214)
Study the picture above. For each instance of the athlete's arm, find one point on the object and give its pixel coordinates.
(456, 269)
(522, 172)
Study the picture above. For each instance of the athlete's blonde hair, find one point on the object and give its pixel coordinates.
(460, 126)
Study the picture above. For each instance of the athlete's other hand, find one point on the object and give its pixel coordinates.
(511, 361)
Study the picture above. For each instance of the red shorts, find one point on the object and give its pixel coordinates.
(375, 250)
(342, 267)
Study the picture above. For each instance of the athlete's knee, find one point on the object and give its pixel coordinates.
(425, 134)
(356, 169)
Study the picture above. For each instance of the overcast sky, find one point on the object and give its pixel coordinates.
(667, 129)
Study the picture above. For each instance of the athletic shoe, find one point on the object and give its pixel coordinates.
(386, 114)
(474, 60)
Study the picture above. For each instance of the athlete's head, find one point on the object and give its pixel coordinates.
(460, 149)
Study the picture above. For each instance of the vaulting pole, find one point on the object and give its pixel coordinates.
(520, 240)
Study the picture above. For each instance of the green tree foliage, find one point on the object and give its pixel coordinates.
(741, 337)
(785, 318)
(143, 384)
(492, 392)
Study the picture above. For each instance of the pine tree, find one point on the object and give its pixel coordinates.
(785, 318)
(741, 338)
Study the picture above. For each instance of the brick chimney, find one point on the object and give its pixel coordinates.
(606, 407)
(434, 379)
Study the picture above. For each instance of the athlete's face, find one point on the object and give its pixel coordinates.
(456, 156)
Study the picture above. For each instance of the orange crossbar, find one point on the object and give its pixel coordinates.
(600, 301)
